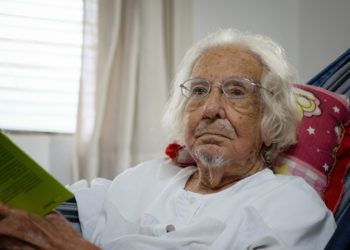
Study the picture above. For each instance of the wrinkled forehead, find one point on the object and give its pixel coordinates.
(221, 63)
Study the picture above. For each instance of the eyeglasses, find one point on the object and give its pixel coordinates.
(234, 88)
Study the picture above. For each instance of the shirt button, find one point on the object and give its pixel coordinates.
(169, 228)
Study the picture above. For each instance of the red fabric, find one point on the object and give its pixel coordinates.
(172, 149)
(179, 155)
(335, 188)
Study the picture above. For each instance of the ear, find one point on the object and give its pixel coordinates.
(266, 141)
(266, 154)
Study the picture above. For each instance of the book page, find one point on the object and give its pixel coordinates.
(25, 184)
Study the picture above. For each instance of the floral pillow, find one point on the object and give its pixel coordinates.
(320, 133)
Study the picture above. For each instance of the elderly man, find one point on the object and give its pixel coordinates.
(232, 107)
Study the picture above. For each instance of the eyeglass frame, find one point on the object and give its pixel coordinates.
(222, 84)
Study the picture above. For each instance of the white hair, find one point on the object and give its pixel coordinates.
(280, 119)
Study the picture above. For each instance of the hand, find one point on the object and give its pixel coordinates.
(23, 230)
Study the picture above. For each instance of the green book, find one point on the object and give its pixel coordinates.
(25, 184)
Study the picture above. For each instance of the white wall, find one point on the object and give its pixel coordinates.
(313, 32)
(324, 33)
(53, 152)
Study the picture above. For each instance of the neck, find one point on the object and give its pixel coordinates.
(207, 180)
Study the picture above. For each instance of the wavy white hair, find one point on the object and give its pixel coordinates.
(280, 119)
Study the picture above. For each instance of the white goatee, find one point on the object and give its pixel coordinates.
(214, 160)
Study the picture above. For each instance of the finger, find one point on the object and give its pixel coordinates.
(7, 243)
(53, 215)
(4, 210)
(25, 236)
(41, 232)
(23, 226)
(59, 221)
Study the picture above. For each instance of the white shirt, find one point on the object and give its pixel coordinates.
(147, 207)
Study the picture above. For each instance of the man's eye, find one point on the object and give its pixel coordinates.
(236, 92)
(199, 91)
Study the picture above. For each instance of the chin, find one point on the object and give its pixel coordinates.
(209, 156)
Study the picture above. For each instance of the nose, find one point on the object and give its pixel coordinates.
(214, 106)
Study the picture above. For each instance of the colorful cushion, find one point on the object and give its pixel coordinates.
(319, 136)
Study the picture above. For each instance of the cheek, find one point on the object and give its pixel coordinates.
(246, 122)
(191, 119)
(251, 129)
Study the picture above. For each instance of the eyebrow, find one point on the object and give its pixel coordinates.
(228, 78)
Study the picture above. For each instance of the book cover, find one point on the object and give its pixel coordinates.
(25, 184)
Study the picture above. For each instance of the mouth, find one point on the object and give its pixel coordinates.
(212, 136)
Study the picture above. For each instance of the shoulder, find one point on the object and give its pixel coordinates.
(294, 210)
(287, 195)
(293, 190)
(283, 185)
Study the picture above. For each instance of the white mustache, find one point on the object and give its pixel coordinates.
(221, 126)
